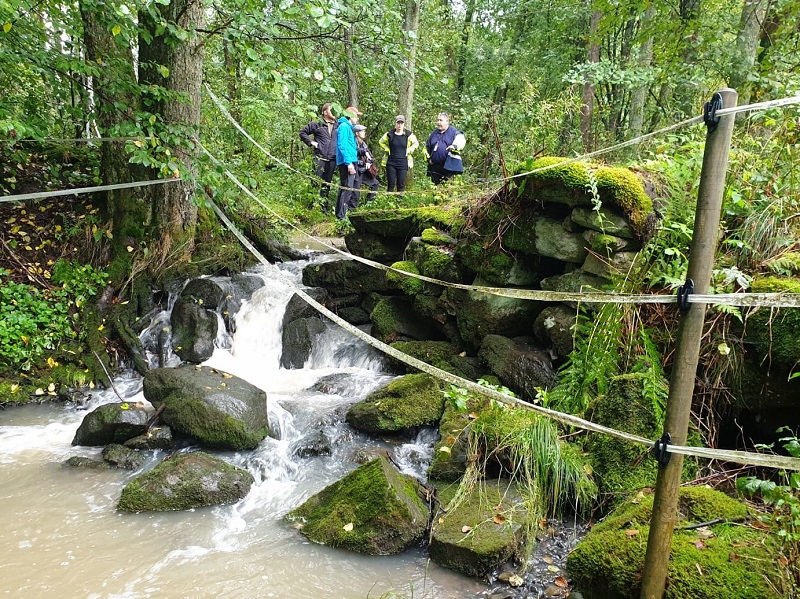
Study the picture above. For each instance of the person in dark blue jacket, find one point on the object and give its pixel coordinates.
(347, 161)
(323, 143)
(445, 142)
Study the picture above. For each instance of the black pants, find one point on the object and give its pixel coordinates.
(346, 200)
(324, 170)
(396, 177)
(438, 173)
(366, 181)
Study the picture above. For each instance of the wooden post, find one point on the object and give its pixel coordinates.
(690, 331)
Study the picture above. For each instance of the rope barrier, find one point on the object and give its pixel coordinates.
(730, 299)
(81, 190)
(76, 140)
(739, 457)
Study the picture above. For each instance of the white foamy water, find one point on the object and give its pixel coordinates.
(61, 536)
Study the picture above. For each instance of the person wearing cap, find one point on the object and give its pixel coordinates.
(323, 143)
(398, 145)
(367, 175)
(346, 160)
(443, 150)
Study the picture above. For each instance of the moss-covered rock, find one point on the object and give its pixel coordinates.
(436, 353)
(374, 510)
(451, 452)
(375, 247)
(121, 456)
(554, 327)
(217, 409)
(194, 330)
(434, 261)
(111, 423)
(345, 277)
(298, 341)
(434, 236)
(485, 530)
(773, 333)
(553, 240)
(408, 285)
(495, 266)
(393, 319)
(185, 481)
(722, 560)
(617, 188)
(404, 405)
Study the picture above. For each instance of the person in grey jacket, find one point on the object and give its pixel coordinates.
(321, 136)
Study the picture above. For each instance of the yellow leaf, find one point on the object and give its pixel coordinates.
(499, 519)
(125, 406)
(444, 449)
(441, 520)
(39, 391)
(101, 327)
(129, 248)
(348, 527)
(465, 529)
(51, 387)
(515, 580)
(7, 27)
(138, 144)
(631, 532)
(51, 362)
(227, 375)
(553, 568)
(116, 30)
(14, 388)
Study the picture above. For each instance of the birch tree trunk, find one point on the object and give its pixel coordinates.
(748, 39)
(410, 28)
(587, 101)
(644, 61)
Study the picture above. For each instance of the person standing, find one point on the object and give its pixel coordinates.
(367, 174)
(443, 150)
(399, 146)
(323, 143)
(346, 160)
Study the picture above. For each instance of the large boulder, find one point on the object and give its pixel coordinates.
(194, 329)
(374, 510)
(394, 319)
(495, 266)
(554, 241)
(404, 405)
(375, 247)
(217, 409)
(724, 559)
(300, 308)
(483, 531)
(111, 423)
(185, 481)
(298, 341)
(345, 277)
(518, 364)
(554, 327)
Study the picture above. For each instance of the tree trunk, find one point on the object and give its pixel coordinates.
(350, 67)
(116, 101)
(466, 30)
(587, 101)
(644, 60)
(747, 45)
(175, 211)
(410, 28)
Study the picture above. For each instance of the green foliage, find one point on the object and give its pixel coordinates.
(35, 323)
(782, 500)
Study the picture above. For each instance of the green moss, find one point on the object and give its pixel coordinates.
(404, 404)
(384, 320)
(408, 285)
(733, 563)
(374, 510)
(489, 263)
(433, 236)
(774, 332)
(604, 243)
(432, 352)
(449, 218)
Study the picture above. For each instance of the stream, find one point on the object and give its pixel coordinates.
(61, 535)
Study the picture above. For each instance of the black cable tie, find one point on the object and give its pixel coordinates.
(710, 108)
(684, 291)
(659, 450)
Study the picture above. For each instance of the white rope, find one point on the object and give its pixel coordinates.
(739, 457)
(82, 190)
(76, 140)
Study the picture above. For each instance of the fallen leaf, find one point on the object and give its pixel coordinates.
(348, 527)
(441, 520)
(638, 498)
(547, 560)
(734, 557)
(631, 532)
(699, 545)
(498, 507)
(499, 519)
(227, 375)
(699, 569)
(515, 581)
(472, 416)
(444, 449)
(39, 391)
(465, 529)
(553, 568)
(562, 582)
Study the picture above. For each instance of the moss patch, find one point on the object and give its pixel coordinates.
(408, 285)
(774, 332)
(733, 563)
(374, 510)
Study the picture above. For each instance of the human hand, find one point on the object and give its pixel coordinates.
(351, 169)
(315, 144)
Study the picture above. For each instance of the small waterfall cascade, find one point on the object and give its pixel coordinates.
(61, 533)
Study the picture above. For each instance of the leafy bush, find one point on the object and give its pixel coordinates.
(35, 323)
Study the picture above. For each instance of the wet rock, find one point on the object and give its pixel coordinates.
(554, 327)
(605, 221)
(194, 329)
(300, 308)
(345, 277)
(111, 423)
(374, 510)
(394, 319)
(79, 461)
(123, 457)
(375, 247)
(298, 341)
(158, 437)
(185, 481)
(315, 445)
(554, 241)
(518, 364)
(217, 409)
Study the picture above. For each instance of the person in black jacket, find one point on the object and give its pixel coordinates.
(323, 133)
